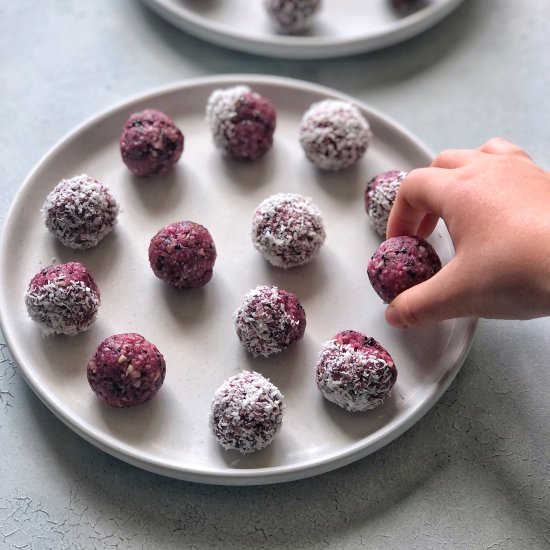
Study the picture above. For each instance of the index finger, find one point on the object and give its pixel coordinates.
(419, 202)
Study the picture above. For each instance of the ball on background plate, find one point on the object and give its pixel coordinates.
(292, 16)
(246, 412)
(80, 212)
(400, 263)
(355, 372)
(63, 299)
(150, 143)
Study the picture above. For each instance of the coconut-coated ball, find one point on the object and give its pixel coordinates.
(246, 412)
(63, 299)
(80, 212)
(355, 372)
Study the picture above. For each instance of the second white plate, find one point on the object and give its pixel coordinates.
(194, 329)
(343, 27)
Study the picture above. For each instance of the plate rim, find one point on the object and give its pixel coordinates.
(241, 476)
(302, 47)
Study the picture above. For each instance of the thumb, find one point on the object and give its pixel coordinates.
(445, 296)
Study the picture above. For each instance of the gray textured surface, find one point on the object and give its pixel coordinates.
(474, 473)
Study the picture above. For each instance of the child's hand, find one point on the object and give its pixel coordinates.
(495, 202)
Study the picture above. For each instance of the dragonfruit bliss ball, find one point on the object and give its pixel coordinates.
(63, 299)
(355, 372)
(183, 254)
(380, 195)
(334, 134)
(288, 230)
(269, 320)
(126, 370)
(246, 412)
(150, 143)
(241, 121)
(291, 16)
(80, 212)
(400, 263)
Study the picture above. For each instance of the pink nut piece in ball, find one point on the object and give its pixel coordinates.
(126, 370)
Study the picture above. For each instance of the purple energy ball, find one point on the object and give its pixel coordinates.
(355, 371)
(63, 299)
(269, 320)
(80, 212)
(401, 263)
(380, 196)
(126, 370)
(246, 413)
(183, 254)
(288, 230)
(292, 15)
(242, 122)
(150, 143)
(334, 134)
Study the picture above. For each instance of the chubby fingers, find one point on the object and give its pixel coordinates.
(500, 146)
(419, 203)
(445, 296)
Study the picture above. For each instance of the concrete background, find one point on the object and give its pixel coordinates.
(473, 473)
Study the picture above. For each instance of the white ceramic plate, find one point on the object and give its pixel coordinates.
(342, 27)
(193, 329)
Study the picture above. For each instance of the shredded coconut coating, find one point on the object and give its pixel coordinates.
(334, 134)
(379, 198)
(126, 370)
(400, 263)
(355, 372)
(183, 254)
(150, 143)
(63, 299)
(80, 212)
(269, 320)
(241, 121)
(288, 230)
(292, 16)
(246, 413)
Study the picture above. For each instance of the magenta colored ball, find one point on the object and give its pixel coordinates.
(183, 254)
(401, 263)
(126, 370)
(150, 143)
(242, 122)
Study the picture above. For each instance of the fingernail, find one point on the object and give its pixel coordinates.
(393, 317)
